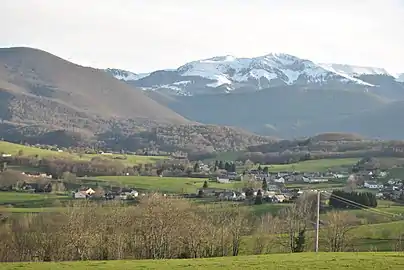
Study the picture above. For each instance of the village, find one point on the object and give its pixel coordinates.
(246, 186)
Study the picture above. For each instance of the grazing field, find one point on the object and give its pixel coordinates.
(164, 184)
(331, 261)
(319, 165)
(13, 149)
(28, 201)
(225, 156)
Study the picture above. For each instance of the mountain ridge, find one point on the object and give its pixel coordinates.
(228, 74)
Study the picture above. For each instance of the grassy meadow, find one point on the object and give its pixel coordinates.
(13, 149)
(22, 202)
(163, 184)
(324, 261)
(320, 165)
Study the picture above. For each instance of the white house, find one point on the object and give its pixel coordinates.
(223, 180)
(280, 180)
(131, 194)
(228, 195)
(372, 185)
(80, 195)
(339, 176)
(89, 191)
(5, 155)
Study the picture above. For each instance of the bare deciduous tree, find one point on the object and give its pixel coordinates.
(336, 229)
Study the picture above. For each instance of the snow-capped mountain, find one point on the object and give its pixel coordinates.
(225, 74)
(126, 75)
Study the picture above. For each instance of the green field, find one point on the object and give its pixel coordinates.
(13, 149)
(331, 261)
(320, 165)
(29, 202)
(164, 184)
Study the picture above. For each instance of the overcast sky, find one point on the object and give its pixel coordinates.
(145, 35)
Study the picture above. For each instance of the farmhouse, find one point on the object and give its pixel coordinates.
(80, 195)
(223, 180)
(280, 180)
(128, 194)
(372, 185)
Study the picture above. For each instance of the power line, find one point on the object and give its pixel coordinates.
(361, 206)
(348, 202)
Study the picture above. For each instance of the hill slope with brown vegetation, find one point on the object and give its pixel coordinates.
(39, 87)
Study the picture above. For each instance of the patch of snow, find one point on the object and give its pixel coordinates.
(400, 77)
(256, 74)
(126, 75)
(219, 80)
(292, 75)
(182, 83)
(352, 70)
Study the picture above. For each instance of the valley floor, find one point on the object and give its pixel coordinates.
(331, 261)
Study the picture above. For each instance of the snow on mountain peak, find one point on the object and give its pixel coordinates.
(226, 58)
(352, 70)
(229, 73)
(126, 75)
(400, 77)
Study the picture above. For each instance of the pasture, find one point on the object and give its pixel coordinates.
(163, 184)
(14, 149)
(324, 261)
(29, 202)
(320, 165)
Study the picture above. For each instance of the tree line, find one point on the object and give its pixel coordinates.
(343, 200)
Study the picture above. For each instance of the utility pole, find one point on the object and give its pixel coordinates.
(317, 219)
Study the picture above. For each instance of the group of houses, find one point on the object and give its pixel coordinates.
(284, 177)
(37, 175)
(114, 193)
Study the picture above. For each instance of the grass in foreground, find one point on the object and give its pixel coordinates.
(331, 261)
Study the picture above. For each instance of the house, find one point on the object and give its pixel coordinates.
(223, 180)
(269, 194)
(232, 175)
(88, 191)
(80, 195)
(280, 180)
(128, 194)
(227, 195)
(278, 198)
(5, 155)
(339, 176)
(272, 188)
(372, 185)
(37, 175)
